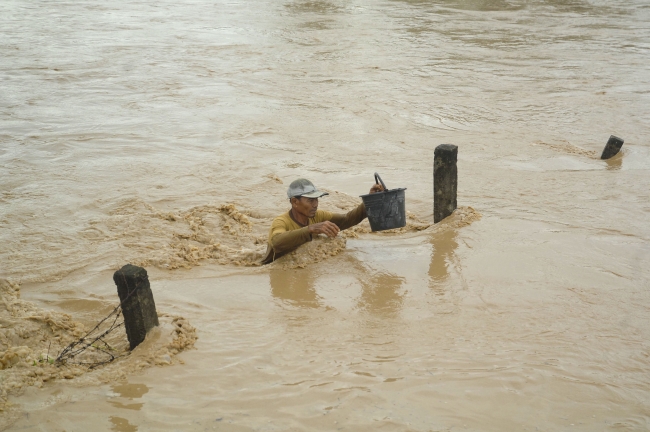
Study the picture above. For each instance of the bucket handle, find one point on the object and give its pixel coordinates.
(379, 180)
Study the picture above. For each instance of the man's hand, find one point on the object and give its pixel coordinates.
(376, 188)
(328, 228)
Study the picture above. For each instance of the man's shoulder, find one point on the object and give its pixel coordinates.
(284, 219)
(322, 216)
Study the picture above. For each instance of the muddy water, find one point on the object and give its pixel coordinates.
(166, 133)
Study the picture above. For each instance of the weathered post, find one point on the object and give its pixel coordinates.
(445, 181)
(612, 147)
(138, 307)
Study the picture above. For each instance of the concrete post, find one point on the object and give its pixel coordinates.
(445, 181)
(612, 147)
(138, 307)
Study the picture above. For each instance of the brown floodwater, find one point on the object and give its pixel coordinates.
(165, 134)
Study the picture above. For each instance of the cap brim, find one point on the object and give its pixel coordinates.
(315, 194)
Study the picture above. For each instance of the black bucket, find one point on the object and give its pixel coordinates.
(386, 210)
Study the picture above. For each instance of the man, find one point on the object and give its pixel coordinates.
(304, 220)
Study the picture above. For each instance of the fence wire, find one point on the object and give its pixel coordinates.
(96, 339)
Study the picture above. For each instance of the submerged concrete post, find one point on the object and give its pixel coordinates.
(612, 147)
(445, 181)
(138, 307)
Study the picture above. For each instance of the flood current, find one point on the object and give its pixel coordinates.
(165, 134)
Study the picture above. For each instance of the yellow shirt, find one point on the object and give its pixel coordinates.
(286, 234)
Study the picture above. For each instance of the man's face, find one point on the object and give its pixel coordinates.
(306, 206)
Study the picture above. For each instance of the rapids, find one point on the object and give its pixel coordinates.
(165, 134)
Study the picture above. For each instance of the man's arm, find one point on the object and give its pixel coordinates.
(283, 241)
(351, 218)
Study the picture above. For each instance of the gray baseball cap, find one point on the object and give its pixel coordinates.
(303, 187)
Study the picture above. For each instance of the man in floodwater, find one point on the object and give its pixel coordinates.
(298, 225)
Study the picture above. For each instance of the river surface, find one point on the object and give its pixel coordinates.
(142, 131)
